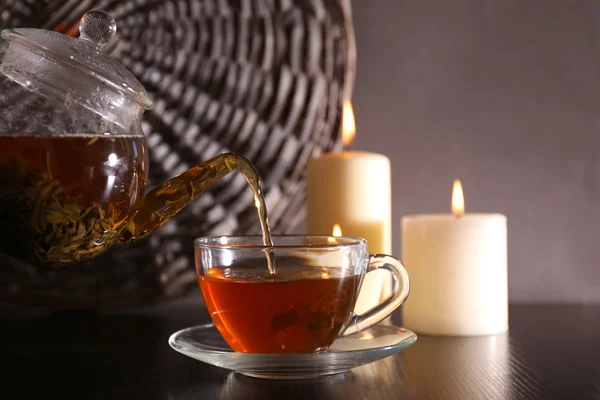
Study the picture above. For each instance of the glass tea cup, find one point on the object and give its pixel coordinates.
(305, 305)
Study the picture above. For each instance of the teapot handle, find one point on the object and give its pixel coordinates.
(166, 200)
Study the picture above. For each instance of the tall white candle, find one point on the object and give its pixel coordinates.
(458, 271)
(353, 189)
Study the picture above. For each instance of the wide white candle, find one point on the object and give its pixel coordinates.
(353, 189)
(457, 265)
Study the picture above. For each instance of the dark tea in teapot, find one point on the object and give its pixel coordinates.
(63, 197)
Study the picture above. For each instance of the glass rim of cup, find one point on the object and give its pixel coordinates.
(240, 242)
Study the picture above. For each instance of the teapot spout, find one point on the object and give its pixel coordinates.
(166, 200)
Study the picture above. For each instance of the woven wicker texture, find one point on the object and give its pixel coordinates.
(264, 78)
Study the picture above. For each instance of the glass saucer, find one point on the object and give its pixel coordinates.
(204, 343)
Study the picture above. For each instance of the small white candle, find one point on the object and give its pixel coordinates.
(353, 190)
(457, 265)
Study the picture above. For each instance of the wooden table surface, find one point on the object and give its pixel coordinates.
(551, 352)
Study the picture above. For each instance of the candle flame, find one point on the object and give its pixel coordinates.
(348, 124)
(458, 199)
(337, 230)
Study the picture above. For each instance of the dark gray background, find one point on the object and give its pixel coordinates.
(504, 95)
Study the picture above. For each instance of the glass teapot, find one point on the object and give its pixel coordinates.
(73, 159)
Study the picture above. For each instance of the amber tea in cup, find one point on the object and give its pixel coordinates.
(305, 305)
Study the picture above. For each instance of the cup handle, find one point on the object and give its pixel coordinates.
(400, 290)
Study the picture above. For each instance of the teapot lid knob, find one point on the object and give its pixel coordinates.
(97, 26)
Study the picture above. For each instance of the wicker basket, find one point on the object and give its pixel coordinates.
(264, 78)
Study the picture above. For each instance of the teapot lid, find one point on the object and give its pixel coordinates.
(85, 54)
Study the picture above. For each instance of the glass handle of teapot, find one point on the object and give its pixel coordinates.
(166, 200)
(400, 290)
